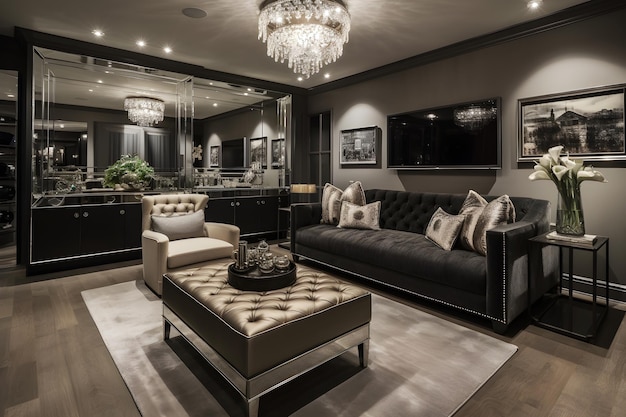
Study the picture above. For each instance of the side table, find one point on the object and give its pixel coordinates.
(566, 314)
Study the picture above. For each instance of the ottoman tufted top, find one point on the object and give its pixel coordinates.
(251, 313)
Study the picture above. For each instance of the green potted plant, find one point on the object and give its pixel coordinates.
(130, 172)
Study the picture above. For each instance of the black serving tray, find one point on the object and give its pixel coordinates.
(252, 279)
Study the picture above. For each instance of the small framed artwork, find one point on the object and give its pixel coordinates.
(589, 124)
(278, 153)
(258, 152)
(360, 147)
(214, 156)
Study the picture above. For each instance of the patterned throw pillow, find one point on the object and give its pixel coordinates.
(497, 212)
(472, 208)
(180, 227)
(444, 228)
(333, 197)
(331, 204)
(354, 216)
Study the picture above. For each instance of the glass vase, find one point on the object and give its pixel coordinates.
(569, 212)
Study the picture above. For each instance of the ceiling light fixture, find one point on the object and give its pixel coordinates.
(145, 111)
(140, 43)
(534, 4)
(167, 50)
(97, 33)
(307, 33)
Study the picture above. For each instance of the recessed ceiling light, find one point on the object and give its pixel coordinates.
(300, 78)
(140, 43)
(99, 81)
(11, 95)
(327, 75)
(167, 50)
(194, 13)
(98, 33)
(534, 4)
(91, 90)
(214, 104)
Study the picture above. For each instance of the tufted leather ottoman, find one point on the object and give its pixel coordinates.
(259, 340)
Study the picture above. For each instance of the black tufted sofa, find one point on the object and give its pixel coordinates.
(495, 287)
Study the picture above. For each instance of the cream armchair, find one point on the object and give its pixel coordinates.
(175, 235)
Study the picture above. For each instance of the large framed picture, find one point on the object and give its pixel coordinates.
(359, 146)
(589, 124)
(278, 153)
(258, 152)
(214, 156)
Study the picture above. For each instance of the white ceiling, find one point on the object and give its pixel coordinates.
(382, 31)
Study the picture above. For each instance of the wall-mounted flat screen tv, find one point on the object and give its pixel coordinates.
(461, 136)
(233, 152)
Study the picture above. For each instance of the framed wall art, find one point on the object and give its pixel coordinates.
(589, 124)
(360, 147)
(258, 151)
(214, 156)
(278, 153)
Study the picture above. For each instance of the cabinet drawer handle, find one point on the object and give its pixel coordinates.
(76, 215)
(237, 203)
(86, 214)
(232, 204)
(258, 203)
(262, 201)
(122, 212)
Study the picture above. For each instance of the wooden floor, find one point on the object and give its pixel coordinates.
(53, 361)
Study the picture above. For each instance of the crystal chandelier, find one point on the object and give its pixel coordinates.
(145, 111)
(474, 117)
(307, 33)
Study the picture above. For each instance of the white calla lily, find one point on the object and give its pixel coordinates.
(554, 153)
(539, 175)
(560, 171)
(545, 161)
(590, 174)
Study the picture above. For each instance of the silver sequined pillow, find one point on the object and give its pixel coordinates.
(444, 228)
(331, 204)
(354, 216)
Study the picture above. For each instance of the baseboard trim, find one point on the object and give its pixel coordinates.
(583, 286)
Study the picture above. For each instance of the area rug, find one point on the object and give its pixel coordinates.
(420, 365)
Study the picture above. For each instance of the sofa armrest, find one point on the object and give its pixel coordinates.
(303, 214)
(154, 248)
(223, 231)
(507, 270)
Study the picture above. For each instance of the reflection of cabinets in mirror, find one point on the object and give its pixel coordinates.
(71, 231)
(255, 215)
(7, 193)
(155, 145)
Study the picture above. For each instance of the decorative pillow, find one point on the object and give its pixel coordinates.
(354, 194)
(354, 216)
(444, 228)
(331, 204)
(180, 227)
(497, 212)
(333, 197)
(472, 208)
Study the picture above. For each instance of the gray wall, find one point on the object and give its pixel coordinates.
(582, 55)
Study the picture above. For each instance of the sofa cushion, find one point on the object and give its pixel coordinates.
(354, 194)
(405, 252)
(443, 229)
(360, 217)
(199, 249)
(179, 226)
(497, 212)
(473, 206)
(331, 204)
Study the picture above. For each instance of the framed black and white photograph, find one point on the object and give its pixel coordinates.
(589, 124)
(258, 151)
(359, 146)
(278, 153)
(214, 156)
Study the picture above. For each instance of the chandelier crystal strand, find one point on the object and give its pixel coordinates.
(145, 111)
(308, 34)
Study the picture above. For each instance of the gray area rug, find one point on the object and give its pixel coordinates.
(420, 365)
